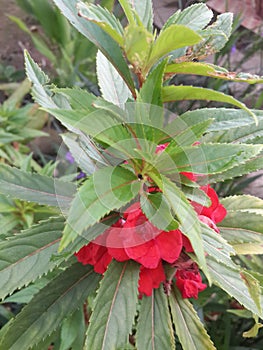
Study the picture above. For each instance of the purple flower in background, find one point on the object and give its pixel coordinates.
(71, 160)
(233, 49)
(81, 175)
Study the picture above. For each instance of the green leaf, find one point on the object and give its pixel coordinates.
(184, 135)
(224, 118)
(191, 332)
(243, 227)
(35, 188)
(244, 203)
(157, 210)
(137, 45)
(218, 33)
(73, 328)
(112, 86)
(178, 93)
(205, 158)
(253, 164)
(210, 70)
(151, 89)
(59, 299)
(108, 189)
(108, 129)
(24, 295)
(98, 37)
(154, 330)
(216, 246)
(250, 133)
(39, 79)
(253, 286)
(115, 307)
(189, 223)
(144, 11)
(195, 17)
(129, 13)
(77, 97)
(103, 18)
(229, 279)
(25, 257)
(172, 38)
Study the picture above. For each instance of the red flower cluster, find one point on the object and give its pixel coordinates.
(134, 237)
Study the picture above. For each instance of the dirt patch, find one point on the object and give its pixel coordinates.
(12, 39)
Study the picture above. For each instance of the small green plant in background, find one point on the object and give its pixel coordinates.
(71, 56)
(116, 268)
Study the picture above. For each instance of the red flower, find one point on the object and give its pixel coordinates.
(150, 279)
(139, 240)
(189, 283)
(216, 211)
(96, 255)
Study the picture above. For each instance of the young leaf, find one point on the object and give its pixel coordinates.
(96, 35)
(62, 296)
(35, 188)
(144, 11)
(191, 332)
(189, 223)
(151, 89)
(205, 158)
(115, 308)
(172, 38)
(108, 189)
(157, 210)
(112, 86)
(195, 17)
(154, 330)
(229, 280)
(103, 18)
(137, 45)
(178, 93)
(25, 257)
